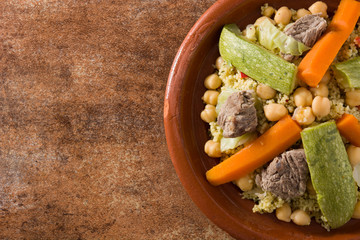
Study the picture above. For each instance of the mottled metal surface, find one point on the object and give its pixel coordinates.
(82, 148)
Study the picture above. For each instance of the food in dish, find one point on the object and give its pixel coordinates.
(287, 131)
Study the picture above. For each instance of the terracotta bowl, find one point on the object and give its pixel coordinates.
(186, 133)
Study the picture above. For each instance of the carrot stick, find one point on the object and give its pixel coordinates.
(349, 128)
(316, 62)
(269, 145)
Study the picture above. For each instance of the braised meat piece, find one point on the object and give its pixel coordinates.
(286, 175)
(287, 57)
(307, 29)
(238, 114)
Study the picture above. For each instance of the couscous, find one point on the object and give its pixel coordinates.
(241, 108)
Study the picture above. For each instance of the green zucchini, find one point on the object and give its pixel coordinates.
(256, 61)
(331, 172)
(348, 73)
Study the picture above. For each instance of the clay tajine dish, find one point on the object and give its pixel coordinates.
(186, 133)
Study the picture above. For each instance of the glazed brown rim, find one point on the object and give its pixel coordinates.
(172, 123)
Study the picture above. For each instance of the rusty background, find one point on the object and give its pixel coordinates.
(82, 148)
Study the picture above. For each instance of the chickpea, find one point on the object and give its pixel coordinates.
(219, 62)
(283, 213)
(261, 19)
(310, 187)
(245, 183)
(321, 90)
(304, 115)
(354, 155)
(274, 111)
(302, 12)
(212, 81)
(283, 16)
(356, 213)
(326, 78)
(265, 92)
(300, 217)
(268, 11)
(321, 106)
(209, 113)
(212, 149)
(319, 7)
(302, 97)
(211, 97)
(353, 98)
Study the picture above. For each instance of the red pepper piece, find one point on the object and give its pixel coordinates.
(243, 75)
(357, 41)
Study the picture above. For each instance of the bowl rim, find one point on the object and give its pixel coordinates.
(172, 122)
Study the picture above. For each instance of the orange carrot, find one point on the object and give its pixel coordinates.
(316, 62)
(349, 128)
(269, 145)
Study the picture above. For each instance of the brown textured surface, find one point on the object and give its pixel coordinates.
(82, 147)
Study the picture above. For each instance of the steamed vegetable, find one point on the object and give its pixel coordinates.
(356, 174)
(348, 73)
(273, 142)
(275, 40)
(255, 61)
(232, 143)
(223, 96)
(316, 62)
(331, 172)
(349, 128)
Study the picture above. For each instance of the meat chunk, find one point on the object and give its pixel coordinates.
(286, 175)
(287, 57)
(307, 29)
(238, 114)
